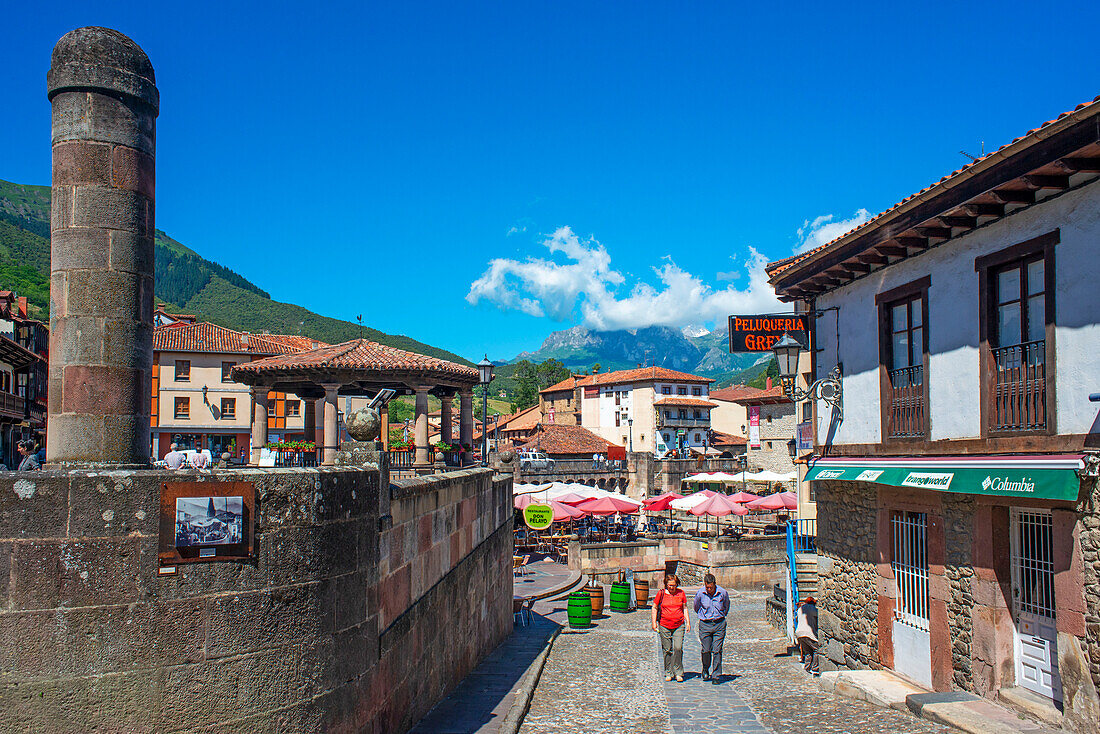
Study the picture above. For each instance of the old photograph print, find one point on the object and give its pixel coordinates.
(209, 521)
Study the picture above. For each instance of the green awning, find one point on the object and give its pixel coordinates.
(1044, 477)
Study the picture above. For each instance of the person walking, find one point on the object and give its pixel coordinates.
(670, 621)
(30, 459)
(712, 604)
(805, 632)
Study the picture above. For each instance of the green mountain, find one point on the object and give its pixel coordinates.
(184, 280)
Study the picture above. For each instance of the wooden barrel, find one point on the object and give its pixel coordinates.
(596, 592)
(620, 597)
(580, 609)
(641, 591)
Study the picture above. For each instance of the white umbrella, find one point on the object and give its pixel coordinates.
(771, 476)
(702, 477)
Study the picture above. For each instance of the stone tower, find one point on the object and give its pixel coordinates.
(105, 104)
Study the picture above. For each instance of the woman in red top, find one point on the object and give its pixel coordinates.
(670, 620)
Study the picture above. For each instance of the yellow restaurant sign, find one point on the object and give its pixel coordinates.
(538, 517)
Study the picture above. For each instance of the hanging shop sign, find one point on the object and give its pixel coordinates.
(538, 517)
(806, 436)
(754, 426)
(1043, 478)
(757, 333)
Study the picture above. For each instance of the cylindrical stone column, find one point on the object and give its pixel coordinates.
(421, 458)
(445, 418)
(332, 429)
(105, 103)
(309, 419)
(465, 420)
(260, 404)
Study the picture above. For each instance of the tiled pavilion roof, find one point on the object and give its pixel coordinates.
(360, 357)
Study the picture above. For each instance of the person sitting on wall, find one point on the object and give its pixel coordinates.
(200, 460)
(30, 459)
(175, 458)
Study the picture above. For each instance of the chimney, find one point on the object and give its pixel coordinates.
(244, 340)
(768, 384)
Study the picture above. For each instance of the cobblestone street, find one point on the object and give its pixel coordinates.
(608, 680)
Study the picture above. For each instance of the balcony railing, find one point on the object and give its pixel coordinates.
(11, 405)
(906, 401)
(297, 457)
(1019, 387)
(684, 422)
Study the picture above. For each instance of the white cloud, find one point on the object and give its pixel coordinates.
(825, 229)
(586, 287)
(516, 230)
(728, 275)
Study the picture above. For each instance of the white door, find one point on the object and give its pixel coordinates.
(912, 643)
(1036, 636)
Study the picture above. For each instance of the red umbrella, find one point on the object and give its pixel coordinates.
(743, 497)
(571, 498)
(522, 500)
(660, 503)
(602, 506)
(563, 512)
(777, 501)
(718, 506)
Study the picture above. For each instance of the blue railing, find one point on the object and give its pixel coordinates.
(792, 568)
(805, 536)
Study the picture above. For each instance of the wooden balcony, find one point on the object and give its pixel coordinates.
(1019, 388)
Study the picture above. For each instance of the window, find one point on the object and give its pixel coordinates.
(666, 437)
(683, 414)
(227, 368)
(666, 390)
(698, 415)
(696, 391)
(618, 420)
(697, 438)
(668, 415)
(903, 348)
(229, 408)
(618, 397)
(183, 370)
(183, 408)
(1019, 297)
(807, 411)
(293, 408)
(682, 391)
(271, 407)
(768, 445)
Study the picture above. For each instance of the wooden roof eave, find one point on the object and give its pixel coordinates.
(991, 177)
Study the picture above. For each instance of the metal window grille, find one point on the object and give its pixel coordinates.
(1033, 563)
(910, 566)
(907, 402)
(1019, 387)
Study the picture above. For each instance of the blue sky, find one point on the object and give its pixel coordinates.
(622, 163)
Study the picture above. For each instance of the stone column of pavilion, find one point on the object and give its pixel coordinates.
(445, 417)
(309, 419)
(422, 459)
(104, 102)
(260, 404)
(466, 418)
(332, 413)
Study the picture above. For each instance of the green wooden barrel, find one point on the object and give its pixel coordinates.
(620, 597)
(580, 609)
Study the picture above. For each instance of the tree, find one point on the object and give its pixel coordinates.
(531, 378)
(596, 368)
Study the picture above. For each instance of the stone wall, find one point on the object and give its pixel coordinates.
(746, 564)
(359, 612)
(649, 476)
(847, 538)
(958, 517)
(1090, 554)
(777, 427)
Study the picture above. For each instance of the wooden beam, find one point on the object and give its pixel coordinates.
(1079, 165)
(984, 210)
(959, 222)
(856, 267)
(893, 250)
(873, 257)
(939, 233)
(1035, 181)
(915, 244)
(1014, 197)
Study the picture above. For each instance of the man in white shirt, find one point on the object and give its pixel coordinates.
(174, 459)
(200, 460)
(805, 633)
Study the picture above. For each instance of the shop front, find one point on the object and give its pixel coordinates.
(960, 572)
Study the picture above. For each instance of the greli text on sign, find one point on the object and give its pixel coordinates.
(758, 332)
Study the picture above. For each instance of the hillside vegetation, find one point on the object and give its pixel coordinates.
(184, 279)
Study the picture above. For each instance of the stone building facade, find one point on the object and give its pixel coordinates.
(778, 420)
(956, 479)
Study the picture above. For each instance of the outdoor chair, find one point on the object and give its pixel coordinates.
(517, 564)
(523, 569)
(521, 610)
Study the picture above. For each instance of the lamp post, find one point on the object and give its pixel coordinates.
(485, 376)
(630, 433)
(829, 388)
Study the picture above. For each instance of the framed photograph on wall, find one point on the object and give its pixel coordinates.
(206, 521)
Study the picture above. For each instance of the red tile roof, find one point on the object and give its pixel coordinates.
(772, 395)
(690, 402)
(522, 420)
(558, 440)
(775, 268)
(641, 374)
(360, 354)
(733, 393)
(726, 439)
(207, 337)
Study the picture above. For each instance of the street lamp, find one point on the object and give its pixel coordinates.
(485, 376)
(828, 388)
(630, 430)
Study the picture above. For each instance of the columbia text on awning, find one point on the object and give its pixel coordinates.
(1043, 477)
